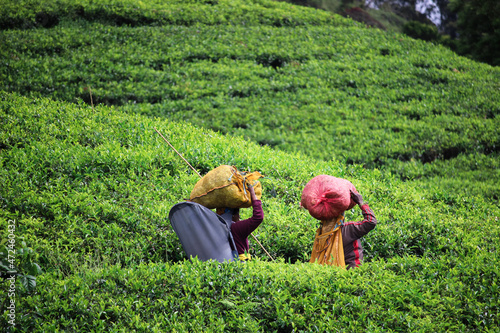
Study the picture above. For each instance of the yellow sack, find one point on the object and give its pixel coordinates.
(328, 247)
(225, 187)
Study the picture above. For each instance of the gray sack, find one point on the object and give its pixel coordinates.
(202, 232)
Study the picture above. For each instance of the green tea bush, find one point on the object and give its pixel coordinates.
(91, 190)
(420, 30)
(26, 14)
(90, 183)
(409, 106)
(94, 187)
(94, 175)
(407, 294)
(17, 260)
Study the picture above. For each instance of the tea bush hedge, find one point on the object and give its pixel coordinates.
(26, 14)
(90, 190)
(407, 295)
(410, 107)
(262, 85)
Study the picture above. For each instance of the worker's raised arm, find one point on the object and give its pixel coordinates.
(355, 230)
(252, 192)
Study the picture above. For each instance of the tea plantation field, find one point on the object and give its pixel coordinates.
(87, 183)
(292, 78)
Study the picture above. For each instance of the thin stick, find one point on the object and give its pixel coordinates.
(91, 101)
(177, 152)
(255, 238)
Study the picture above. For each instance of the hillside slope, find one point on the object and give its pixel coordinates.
(293, 78)
(89, 192)
(261, 85)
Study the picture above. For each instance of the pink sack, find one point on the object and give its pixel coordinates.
(326, 197)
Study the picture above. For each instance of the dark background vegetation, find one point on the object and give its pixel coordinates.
(470, 28)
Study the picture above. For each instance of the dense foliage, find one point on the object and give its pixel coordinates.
(479, 27)
(405, 104)
(423, 31)
(90, 190)
(468, 27)
(407, 295)
(89, 183)
(27, 14)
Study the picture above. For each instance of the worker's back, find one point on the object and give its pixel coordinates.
(202, 232)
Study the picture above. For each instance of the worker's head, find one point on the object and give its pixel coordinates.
(229, 213)
(236, 214)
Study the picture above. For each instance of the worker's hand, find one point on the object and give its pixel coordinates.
(252, 192)
(357, 198)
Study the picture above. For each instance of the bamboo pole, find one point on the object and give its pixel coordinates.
(263, 248)
(177, 152)
(255, 238)
(91, 100)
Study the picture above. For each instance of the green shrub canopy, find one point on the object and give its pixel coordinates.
(288, 91)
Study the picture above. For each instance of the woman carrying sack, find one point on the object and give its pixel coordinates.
(338, 243)
(241, 229)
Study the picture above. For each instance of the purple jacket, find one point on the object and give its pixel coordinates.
(242, 229)
(351, 234)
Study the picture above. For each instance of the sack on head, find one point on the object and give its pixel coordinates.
(326, 197)
(225, 186)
